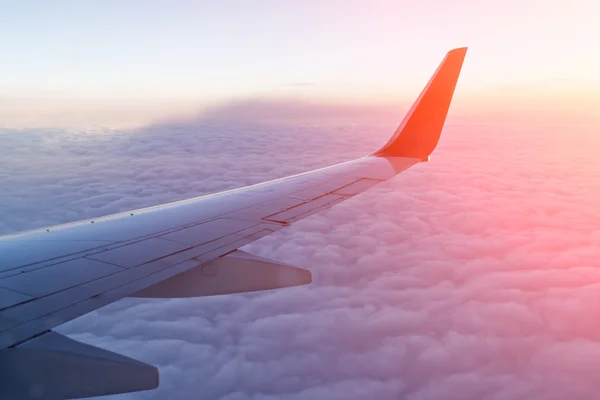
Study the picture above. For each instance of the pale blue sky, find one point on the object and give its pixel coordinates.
(182, 50)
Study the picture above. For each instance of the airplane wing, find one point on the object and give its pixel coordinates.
(183, 249)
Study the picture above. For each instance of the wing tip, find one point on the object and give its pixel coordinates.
(458, 52)
(418, 134)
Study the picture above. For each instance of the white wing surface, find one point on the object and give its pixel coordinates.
(188, 248)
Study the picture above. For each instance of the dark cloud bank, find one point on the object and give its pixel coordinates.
(475, 276)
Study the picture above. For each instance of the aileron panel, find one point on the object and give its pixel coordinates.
(207, 231)
(46, 280)
(10, 298)
(132, 255)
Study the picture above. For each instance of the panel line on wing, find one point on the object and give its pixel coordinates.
(131, 274)
(285, 196)
(128, 285)
(97, 294)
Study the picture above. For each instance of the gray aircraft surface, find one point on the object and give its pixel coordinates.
(188, 248)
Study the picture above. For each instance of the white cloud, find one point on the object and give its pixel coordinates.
(474, 276)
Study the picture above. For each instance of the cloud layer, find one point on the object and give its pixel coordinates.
(474, 276)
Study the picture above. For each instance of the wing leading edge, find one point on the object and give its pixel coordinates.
(51, 275)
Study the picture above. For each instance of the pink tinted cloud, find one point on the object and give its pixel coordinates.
(473, 276)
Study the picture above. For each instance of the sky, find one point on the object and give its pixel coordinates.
(132, 62)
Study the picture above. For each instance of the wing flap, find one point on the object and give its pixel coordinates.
(53, 366)
(58, 277)
(9, 298)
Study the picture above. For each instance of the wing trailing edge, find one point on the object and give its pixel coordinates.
(419, 132)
